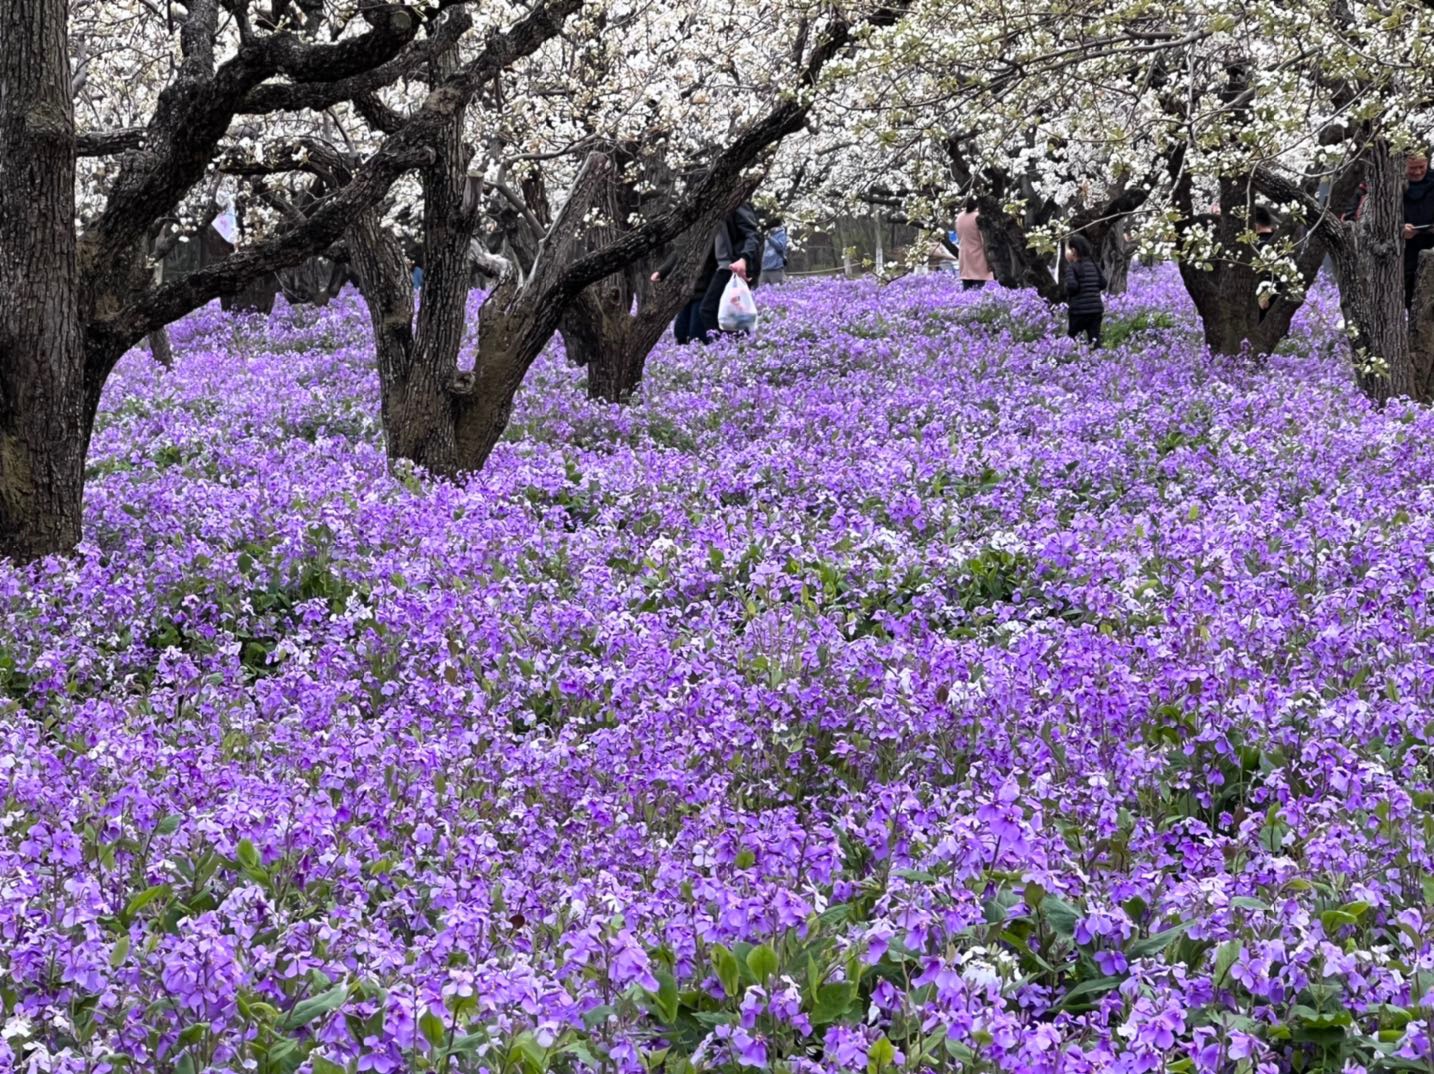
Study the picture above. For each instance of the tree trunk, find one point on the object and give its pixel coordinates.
(1226, 299)
(160, 349)
(1012, 260)
(1370, 270)
(42, 431)
(417, 368)
(601, 329)
(516, 321)
(1226, 295)
(1421, 329)
(613, 343)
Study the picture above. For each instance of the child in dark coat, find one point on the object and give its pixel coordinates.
(1084, 283)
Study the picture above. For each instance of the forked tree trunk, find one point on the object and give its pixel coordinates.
(1226, 295)
(417, 368)
(600, 328)
(1226, 299)
(516, 322)
(42, 428)
(613, 343)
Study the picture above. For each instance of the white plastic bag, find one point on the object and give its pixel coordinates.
(738, 311)
(227, 223)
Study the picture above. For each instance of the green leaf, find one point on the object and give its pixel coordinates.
(168, 825)
(532, 1055)
(916, 876)
(1152, 945)
(307, 1010)
(1060, 915)
(119, 952)
(247, 855)
(1334, 920)
(745, 859)
(1087, 991)
(1249, 902)
(143, 899)
(833, 1002)
(433, 1029)
(715, 1018)
(1227, 955)
(598, 1015)
(763, 962)
(665, 999)
(880, 1055)
(728, 972)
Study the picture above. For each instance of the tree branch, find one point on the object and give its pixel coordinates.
(108, 143)
(333, 214)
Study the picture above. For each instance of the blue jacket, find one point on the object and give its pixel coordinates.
(774, 255)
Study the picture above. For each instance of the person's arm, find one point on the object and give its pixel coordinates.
(748, 246)
(1072, 281)
(665, 269)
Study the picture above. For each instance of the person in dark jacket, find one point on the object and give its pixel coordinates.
(736, 250)
(1418, 219)
(1084, 284)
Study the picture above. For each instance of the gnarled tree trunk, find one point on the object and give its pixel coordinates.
(417, 367)
(601, 329)
(1370, 270)
(600, 332)
(1226, 295)
(43, 434)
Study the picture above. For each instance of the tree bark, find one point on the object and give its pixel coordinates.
(1421, 329)
(612, 326)
(417, 367)
(1370, 269)
(599, 331)
(160, 348)
(1226, 295)
(43, 437)
(1012, 259)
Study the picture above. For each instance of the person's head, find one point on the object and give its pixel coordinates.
(971, 205)
(1078, 248)
(1264, 220)
(1416, 167)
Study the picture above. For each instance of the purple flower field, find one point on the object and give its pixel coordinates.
(909, 689)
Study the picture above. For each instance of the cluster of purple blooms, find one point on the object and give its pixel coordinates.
(908, 688)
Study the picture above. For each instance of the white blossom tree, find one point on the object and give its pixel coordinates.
(1167, 120)
(77, 286)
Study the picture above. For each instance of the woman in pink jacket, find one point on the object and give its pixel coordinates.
(975, 270)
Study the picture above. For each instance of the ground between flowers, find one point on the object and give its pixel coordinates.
(907, 689)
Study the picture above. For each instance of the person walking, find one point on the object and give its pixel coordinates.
(975, 270)
(1084, 283)
(734, 251)
(774, 254)
(1418, 219)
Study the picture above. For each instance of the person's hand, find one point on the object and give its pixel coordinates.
(1408, 232)
(739, 267)
(656, 277)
